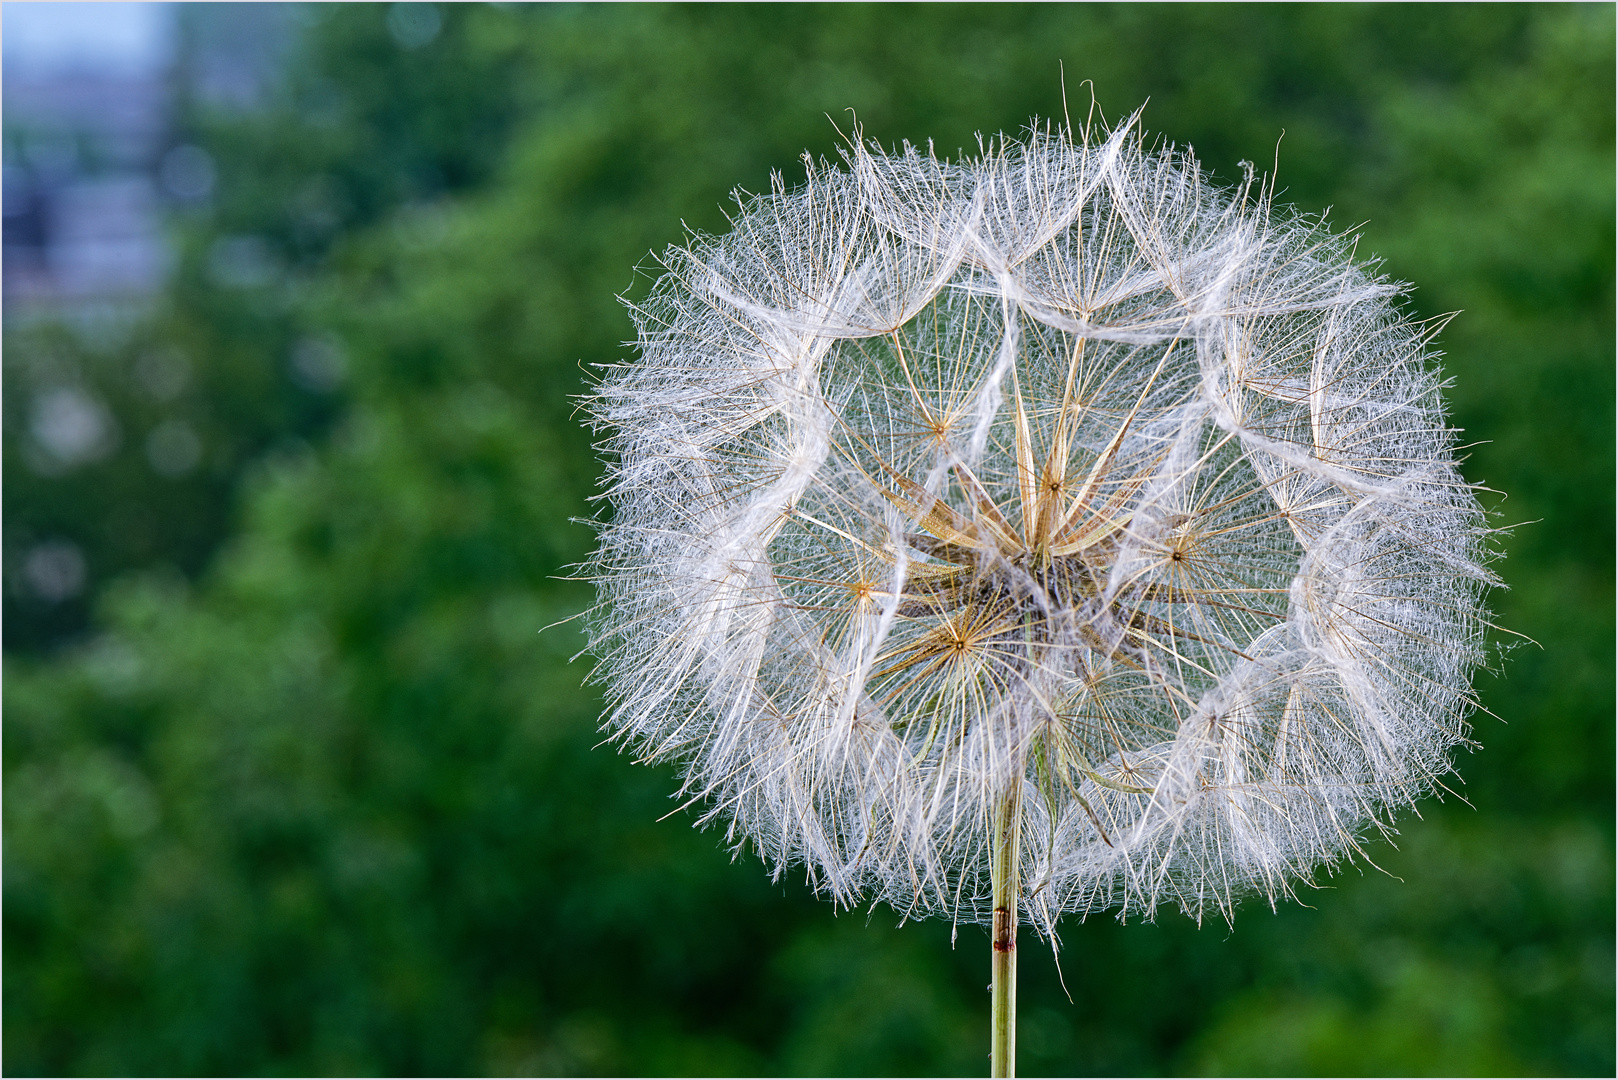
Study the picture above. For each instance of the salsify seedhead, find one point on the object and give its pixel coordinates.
(1055, 487)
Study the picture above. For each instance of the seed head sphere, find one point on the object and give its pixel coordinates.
(1056, 474)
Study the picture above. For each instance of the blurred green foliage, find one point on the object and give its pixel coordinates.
(301, 789)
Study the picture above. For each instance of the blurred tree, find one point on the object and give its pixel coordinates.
(333, 808)
(172, 410)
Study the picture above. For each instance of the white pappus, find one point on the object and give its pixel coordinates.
(1056, 486)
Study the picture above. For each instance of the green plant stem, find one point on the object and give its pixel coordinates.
(1003, 985)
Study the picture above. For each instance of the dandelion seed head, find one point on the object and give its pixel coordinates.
(1057, 470)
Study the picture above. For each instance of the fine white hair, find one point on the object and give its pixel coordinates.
(1058, 466)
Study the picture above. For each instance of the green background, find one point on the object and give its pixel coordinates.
(299, 788)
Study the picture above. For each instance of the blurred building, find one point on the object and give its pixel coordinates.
(92, 151)
(85, 121)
